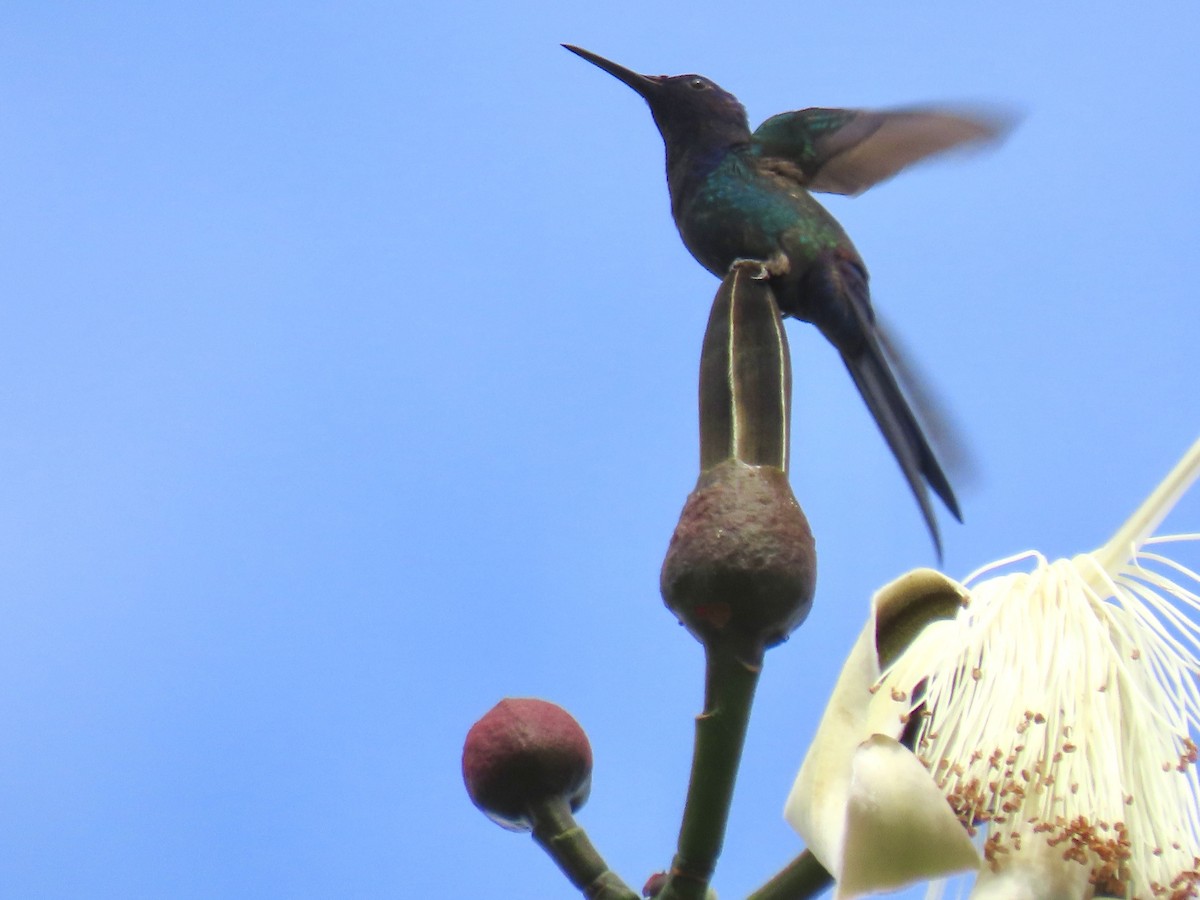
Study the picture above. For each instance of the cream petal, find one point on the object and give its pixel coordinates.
(818, 804)
(899, 827)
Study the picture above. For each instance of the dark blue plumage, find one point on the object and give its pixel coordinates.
(737, 194)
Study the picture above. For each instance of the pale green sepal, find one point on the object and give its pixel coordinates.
(899, 828)
(818, 804)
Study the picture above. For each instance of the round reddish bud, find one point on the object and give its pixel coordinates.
(522, 753)
(742, 565)
(654, 884)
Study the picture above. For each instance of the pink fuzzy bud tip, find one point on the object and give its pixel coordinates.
(654, 884)
(522, 753)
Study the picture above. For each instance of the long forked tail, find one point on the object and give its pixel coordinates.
(838, 303)
(874, 379)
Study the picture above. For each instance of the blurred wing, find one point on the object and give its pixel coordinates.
(846, 151)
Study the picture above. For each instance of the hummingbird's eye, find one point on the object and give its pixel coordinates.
(698, 84)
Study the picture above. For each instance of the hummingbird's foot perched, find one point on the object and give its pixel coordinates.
(764, 269)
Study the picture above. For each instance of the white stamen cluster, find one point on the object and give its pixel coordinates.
(1061, 707)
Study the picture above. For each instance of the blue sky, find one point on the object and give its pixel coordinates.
(347, 385)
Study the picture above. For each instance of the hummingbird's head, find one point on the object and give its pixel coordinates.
(687, 108)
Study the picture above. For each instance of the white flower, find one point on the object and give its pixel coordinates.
(864, 804)
(1053, 711)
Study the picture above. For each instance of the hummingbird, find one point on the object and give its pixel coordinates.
(738, 195)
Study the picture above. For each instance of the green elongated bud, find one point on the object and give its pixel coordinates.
(741, 566)
(745, 375)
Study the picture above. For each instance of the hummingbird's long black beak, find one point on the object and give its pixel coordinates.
(643, 84)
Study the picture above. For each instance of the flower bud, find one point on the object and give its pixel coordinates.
(658, 881)
(521, 754)
(741, 565)
(654, 884)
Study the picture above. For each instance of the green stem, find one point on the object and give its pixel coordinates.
(720, 733)
(556, 831)
(802, 878)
